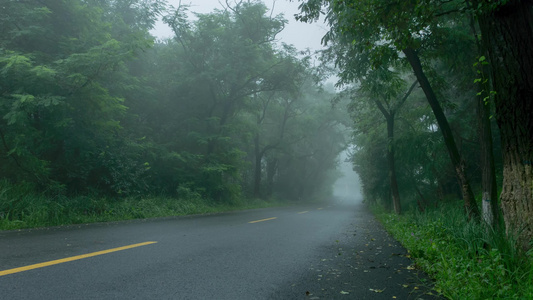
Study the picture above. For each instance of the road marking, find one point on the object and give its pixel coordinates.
(263, 220)
(303, 212)
(64, 260)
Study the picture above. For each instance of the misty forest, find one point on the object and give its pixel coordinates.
(431, 99)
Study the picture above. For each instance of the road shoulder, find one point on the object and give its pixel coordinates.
(365, 262)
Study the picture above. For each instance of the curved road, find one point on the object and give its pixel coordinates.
(335, 251)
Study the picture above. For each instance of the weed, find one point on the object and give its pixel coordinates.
(467, 259)
(22, 207)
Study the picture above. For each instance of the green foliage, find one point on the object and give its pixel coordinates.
(214, 89)
(467, 259)
(365, 42)
(96, 117)
(58, 113)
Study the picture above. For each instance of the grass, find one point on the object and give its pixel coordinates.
(467, 260)
(21, 207)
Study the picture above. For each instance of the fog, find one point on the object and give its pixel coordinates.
(301, 35)
(348, 187)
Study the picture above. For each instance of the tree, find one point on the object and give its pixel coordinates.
(61, 106)
(490, 205)
(90, 104)
(373, 33)
(222, 104)
(273, 110)
(383, 87)
(228, 57)
(507, 36)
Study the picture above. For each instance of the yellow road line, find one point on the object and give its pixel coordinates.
(303, 212)
(64, 260)
(263, 220)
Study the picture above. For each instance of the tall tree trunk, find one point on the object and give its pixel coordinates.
(507, 35)
(392, 166)
(457, 161)
(489, 198)
(389, 117)
(490, 205)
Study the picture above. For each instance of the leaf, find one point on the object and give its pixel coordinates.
(377, 290)
(26, 98)
(44, 72)
(344, 293)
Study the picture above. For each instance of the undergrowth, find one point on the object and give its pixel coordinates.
(467, 260)
(21, 207)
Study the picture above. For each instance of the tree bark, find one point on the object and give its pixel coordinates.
(389, 115)
(392, 166)
(490, 207)
(507, 36)
(489, 195)
(468, 196)
(395, 193)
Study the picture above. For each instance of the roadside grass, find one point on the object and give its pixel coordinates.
(467, 260)
(21, 207)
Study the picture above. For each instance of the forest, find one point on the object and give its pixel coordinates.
(94, 106)
(450, 82)
(101, 120)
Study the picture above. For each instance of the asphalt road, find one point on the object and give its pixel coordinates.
(336, 251)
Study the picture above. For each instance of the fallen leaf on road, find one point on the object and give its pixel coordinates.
(344, 293)
(376, 290)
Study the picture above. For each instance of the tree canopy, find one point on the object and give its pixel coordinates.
(440, 42)
(92, 103)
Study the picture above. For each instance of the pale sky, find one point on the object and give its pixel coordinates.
(299, 34)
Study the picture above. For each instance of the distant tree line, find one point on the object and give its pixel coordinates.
(90, 102)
